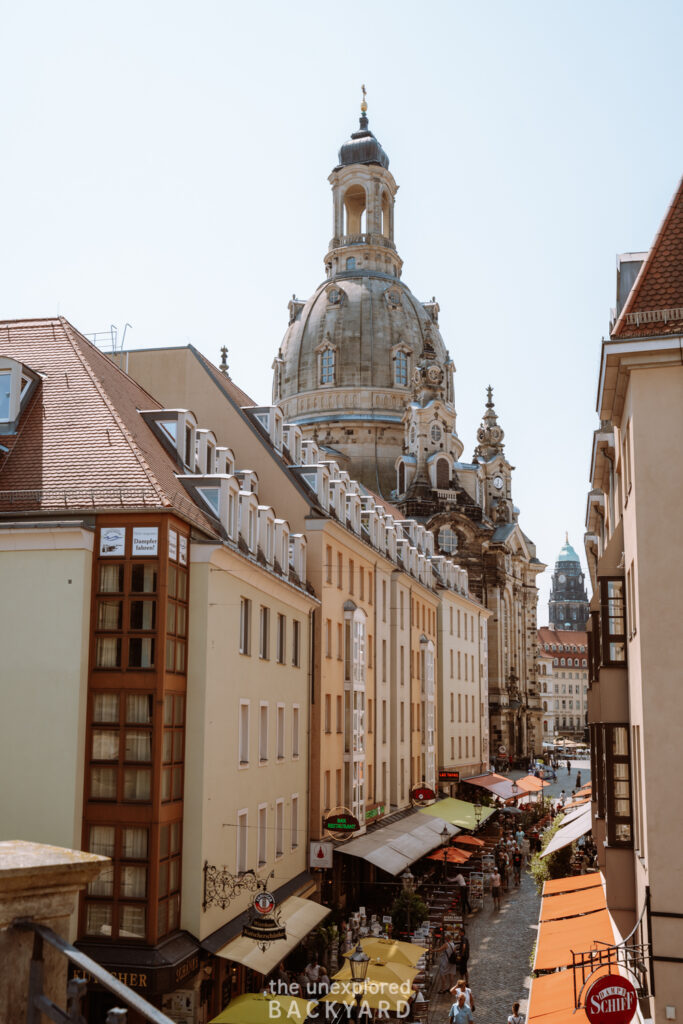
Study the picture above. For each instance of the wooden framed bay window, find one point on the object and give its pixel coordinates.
(613, 620)
(618, 807)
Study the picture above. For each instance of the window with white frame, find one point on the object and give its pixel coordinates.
(279, 828)
(262, 834)
(245, 626)
(244, 732)
(242, 841)
(401, 369)
(327, 365)
(447, 540)
(264, 633)
(263, 733)
(280, 732)
(295, 821)
(295, 730)
(281, 639)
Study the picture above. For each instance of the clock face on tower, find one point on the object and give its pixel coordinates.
(562, 578)
(498, 482)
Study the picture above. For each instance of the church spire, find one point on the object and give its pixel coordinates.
(490, 435)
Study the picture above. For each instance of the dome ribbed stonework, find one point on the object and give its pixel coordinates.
(365, 319)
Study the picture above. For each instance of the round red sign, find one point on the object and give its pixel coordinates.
(264, 902)
(422, 794)
(611, 1000)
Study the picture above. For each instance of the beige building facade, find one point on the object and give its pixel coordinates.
(635, 638)
(565, 695)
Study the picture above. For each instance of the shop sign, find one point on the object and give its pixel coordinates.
(341, 825)
(449, 775)
(172, 545)
(422, 795)
(320, 855)
(611, 1000)
(182, 558)
(375, 812)
(145, 540)
(113, 541)
(264, 930)
(501, 748)
(133, 979)
(386, 919)
(264, 903)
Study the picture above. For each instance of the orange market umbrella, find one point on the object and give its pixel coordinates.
(469, 841)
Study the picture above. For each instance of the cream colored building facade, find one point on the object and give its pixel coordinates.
(636, 568)
(463, 684)
(375, 710)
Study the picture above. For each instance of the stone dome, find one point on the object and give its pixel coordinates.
(363, 148)
(364, 317)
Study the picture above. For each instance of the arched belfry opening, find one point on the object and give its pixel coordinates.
(386, 215)
(443, 474)
(355, 206)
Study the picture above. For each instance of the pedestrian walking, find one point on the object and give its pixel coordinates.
(517, 865)
(460, 1013)
(447, 970)
(462, 888)
(462, 956)
(495, 889)
(515, 1017)
(578, 780)
(461, 987)
(569, 767)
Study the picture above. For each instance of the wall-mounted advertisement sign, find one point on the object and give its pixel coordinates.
(172, 545)
(422, 795)
(320, 855)
(449, 775)
(339, 826)
(182, 557)
(145, 540)
(113, 541)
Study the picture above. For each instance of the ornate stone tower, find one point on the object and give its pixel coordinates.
(568, 604)
(344, 371)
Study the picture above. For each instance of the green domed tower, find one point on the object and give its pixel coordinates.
(568, 605)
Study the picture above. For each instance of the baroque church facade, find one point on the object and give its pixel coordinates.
(363, 369)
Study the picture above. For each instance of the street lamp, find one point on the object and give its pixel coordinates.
(358, 962)
(478, 811)
(445, 840)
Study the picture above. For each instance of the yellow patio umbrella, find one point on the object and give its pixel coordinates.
(392, 951)
(381, 972)
(255, 1008)
(376, 996)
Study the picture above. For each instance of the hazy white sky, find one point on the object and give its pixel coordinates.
(165, 164)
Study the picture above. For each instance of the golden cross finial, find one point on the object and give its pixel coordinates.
(364, 105)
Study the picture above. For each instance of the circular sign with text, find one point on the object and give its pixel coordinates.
(339, 826)
(264, 903)
(611, 1000)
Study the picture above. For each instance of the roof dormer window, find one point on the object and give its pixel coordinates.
(16, 383)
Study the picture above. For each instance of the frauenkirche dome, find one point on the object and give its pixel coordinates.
(345, 369)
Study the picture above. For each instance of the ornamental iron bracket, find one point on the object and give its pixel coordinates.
(221, 886)
(633, 956)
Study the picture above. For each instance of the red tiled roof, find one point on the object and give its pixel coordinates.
(82, 443)
(659, 285)
(574, 638)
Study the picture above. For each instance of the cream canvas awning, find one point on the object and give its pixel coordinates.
(396, 846)
(299, 918)
(565, 836)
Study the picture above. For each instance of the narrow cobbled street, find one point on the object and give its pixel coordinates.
(501, 942)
